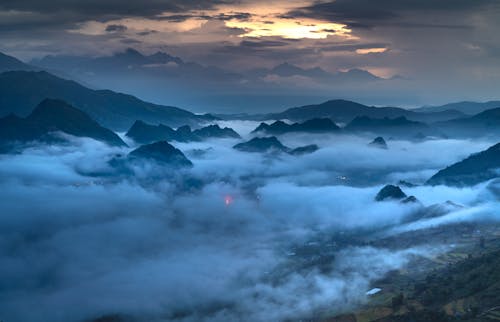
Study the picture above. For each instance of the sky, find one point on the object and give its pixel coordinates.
(446, 50)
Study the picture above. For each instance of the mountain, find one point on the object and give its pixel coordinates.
(272, 144)
(318, 125)
(22, 90)
(465, 107)
(486, 123)
(378, 142)
(390, 192)
(304, 149)
(215, 131)
(344, 111)
(162, 77)
(129, 62)
(51, 116)
(9, 63)
(400, 126)
(476, 168)
(130, 58)
(264, 144)
(316, 73)
(142, 132)
(161, 152)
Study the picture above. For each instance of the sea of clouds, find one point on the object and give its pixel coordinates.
(78, 241)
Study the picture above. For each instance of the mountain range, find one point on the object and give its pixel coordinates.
(22, 90)
(161, 77)
(9, 63)
(316, 125)
(142, 132)
(469, 108)
(476, 168)
(53, 116)
(486, 123)
(23, 87)
(344, 111)
(273, 145)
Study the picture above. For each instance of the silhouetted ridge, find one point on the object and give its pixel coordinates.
(486, 123)
(51, 116)
(379, 142)
(476, 168)
(22, 90)
(263, 144)
(317, 125)
(161, 152)
(146, 133)
(9, 63)
(390, 192)
(142, 132)
(305, 149)
(215, 131)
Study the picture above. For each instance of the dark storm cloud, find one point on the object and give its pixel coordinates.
(273, 50)
(94, 9)
(148, 32)
(243, 16)
(366, 13)
(116, 28)
(263, 44)
(353, 47)
(63, 14)
(130, 41)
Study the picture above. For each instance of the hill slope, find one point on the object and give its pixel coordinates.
(476, 168)
(9, 63)
(50, 116)
(345, 111)
(22, 90)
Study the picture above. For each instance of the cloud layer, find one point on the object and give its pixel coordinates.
(154, 247)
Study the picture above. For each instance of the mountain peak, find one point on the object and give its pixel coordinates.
(161, 152)
(53, 115)
(132, 52)
(9, 63)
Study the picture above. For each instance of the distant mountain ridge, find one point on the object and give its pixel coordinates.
(9, 63)
(289, 70)
(22, 90)
(52, 116)
(465, 107)
(142, 132)
(316, 125)
(161, 152)
(399, 127)
(486, 123)
(344, 111)
(476, 168)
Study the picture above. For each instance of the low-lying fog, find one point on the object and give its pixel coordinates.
(218, 241)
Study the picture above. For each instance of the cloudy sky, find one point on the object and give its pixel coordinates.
(448, 48)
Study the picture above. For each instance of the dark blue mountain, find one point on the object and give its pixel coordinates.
(486, 123)
(344, 111)
(53, 116)
(142, 132)
(22, 90)
(476, 168)
(9, 63)
(160, 152)
(318, 125)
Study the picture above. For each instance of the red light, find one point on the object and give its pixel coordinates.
(228, 200)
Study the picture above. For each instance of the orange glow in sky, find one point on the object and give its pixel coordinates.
(365, 51)
(290, 28)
